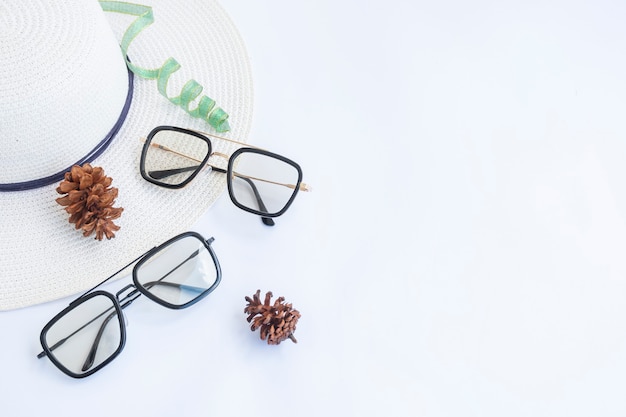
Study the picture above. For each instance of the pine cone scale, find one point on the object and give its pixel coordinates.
(64, 201)
(66, 186)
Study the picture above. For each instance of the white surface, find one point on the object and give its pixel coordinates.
(462, 253)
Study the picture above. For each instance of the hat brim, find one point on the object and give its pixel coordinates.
(42, 256)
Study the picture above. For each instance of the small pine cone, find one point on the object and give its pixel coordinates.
(277, 321)
(88, 198)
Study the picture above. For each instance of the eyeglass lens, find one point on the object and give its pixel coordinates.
(179, 273)
(86, 336)
(173, 157)
(258, 174)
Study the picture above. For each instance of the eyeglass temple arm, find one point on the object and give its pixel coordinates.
(160, 174)
(175, 284)
(268, 221)
(66, 338)
(164, 173)
(91, 356)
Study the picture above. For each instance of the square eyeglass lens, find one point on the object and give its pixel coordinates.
(259, 179)
(82, 338)
(174, 157)
(178, 273)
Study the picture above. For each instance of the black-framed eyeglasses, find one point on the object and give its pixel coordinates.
(258, 181)
(90, 332)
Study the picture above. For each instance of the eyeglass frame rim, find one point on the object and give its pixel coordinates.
(151, 252)
(93, 292)
(80, 300)
(146, 146)
(206, 137)
(229, 180)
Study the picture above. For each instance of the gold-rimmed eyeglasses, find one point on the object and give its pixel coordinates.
(258, 181)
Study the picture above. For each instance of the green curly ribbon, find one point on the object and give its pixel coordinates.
(206, 109)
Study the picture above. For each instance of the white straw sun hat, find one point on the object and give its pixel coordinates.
(63, 90)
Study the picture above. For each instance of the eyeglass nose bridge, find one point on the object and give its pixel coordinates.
(128, 298)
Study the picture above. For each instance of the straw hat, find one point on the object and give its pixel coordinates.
(64, 86)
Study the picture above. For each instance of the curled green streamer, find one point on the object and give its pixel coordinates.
(206, 109)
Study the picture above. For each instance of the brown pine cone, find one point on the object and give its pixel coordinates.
(277, 321)
(88, 198)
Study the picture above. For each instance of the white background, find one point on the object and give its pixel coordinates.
(462, 253)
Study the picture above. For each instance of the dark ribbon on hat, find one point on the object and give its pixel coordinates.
(206, 108)
(93, 154)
